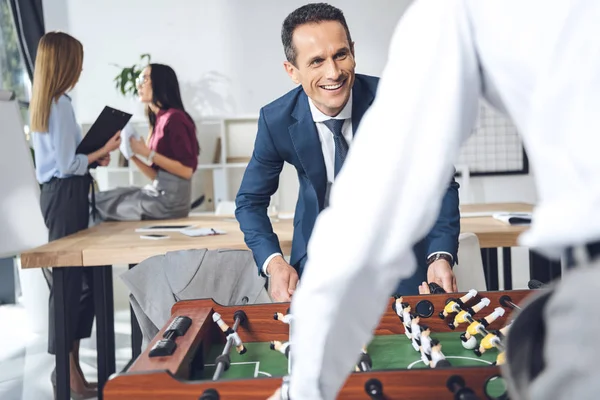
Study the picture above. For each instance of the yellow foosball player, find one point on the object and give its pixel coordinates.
(468, 338)
(455, 306)
(491, 340)
(465, 315)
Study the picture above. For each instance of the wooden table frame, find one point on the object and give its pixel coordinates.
(162, 377)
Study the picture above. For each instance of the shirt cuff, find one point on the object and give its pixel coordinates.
(266, 263)
(81, 164)
(441, 252)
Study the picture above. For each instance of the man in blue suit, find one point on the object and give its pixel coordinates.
(311, 127)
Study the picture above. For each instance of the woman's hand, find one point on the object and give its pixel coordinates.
(104, 161)
(138, 146)
(113, 143)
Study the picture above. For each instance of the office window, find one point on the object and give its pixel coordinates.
(13, 75)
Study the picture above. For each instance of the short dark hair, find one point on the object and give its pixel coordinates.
(310, 13)
(434, 342)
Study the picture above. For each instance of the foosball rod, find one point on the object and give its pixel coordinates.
(220, 364)
(484, 332)
(506, 301)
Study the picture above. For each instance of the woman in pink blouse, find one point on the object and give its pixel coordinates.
(172, 151)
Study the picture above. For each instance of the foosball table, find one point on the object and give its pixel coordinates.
(438, 346)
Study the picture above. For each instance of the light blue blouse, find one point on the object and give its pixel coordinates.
(55, 150)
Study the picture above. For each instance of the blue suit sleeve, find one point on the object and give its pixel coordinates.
(64, 130)
(260, 182)
(443, 237)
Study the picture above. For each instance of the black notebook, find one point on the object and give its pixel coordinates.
(107, 124)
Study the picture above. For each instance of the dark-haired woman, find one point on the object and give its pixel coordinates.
(172, 150)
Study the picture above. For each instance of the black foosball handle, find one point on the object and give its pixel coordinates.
(456, 385)
(374, 389)
(209, 394)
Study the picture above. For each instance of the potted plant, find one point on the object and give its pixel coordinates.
(125, 81)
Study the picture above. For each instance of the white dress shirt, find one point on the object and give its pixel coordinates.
(535, 59)
(327, 144)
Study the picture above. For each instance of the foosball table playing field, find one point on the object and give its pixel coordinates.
(439, 346)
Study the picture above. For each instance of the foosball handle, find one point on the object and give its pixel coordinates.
(241, 315)
(374, 389)
(209, 394)
(456, 384)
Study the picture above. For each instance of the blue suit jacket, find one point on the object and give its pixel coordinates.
(287, 133)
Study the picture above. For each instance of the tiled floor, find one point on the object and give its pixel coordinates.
(25, 365)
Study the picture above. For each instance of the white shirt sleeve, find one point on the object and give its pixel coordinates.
(266, 263)
(387, 196)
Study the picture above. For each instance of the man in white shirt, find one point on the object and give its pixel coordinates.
(537, 60)
(312, 128)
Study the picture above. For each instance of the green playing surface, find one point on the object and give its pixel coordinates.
(387, 352)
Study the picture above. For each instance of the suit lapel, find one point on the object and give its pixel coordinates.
(308, 146)
(362, 98)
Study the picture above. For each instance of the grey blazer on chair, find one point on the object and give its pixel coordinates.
(156, 284)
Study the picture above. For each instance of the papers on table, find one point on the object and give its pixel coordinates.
(202, 232)
(164, 228)
(514, 218)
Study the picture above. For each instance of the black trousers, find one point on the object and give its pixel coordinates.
(65, 207)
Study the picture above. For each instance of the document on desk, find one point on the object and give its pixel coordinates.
(514, 218)
(202, 232)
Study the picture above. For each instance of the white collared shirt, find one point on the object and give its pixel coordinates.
(326, 136)
(535, 59)
(327, 144)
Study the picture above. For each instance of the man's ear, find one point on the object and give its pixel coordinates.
(292, 71)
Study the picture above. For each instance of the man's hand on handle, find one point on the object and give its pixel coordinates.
(439, 272)
(284, 279)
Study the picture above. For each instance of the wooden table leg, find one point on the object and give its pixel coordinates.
(105, 324)
(63, 386)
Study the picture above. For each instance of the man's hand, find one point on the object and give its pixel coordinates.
(441, 273)
(284, 279)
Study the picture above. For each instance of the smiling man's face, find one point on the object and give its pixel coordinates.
(324, 64)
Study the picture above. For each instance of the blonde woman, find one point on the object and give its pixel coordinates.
(65, 183)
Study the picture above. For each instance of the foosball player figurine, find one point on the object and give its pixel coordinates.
(286, 319)
(455, 306)
(492, 339)
(239, 346)
(364, 363)
(468, 338)
(464, 316)
(438, 359)
(415, 331)
(397, 307)
(283, 348)
(425, 344)
(406, 319)
(500, 358)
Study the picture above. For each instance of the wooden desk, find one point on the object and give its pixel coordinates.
(494, 234)
(491, 232)
(118, 243)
